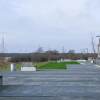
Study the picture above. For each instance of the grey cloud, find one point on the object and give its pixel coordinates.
(30, 23)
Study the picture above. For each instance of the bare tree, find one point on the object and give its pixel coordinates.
(93, 44)
(93, 48)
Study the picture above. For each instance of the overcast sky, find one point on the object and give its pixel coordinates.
(52, 24)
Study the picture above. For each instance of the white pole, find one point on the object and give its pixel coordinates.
(13, 67)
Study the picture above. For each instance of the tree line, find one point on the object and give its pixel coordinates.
(51, 55)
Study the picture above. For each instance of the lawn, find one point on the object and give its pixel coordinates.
(54, 65)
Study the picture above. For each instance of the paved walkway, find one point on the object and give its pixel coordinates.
(78, 82)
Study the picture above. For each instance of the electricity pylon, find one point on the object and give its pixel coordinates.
(2, 43)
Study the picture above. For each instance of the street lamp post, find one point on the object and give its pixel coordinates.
(98, 47)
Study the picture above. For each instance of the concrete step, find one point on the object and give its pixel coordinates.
(53, 83)
(51, 98)
(50, 91)
(51, 73)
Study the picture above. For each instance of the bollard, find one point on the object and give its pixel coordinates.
(13, 67)
(1, 80)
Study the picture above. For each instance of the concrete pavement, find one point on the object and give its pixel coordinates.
(78, 82)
